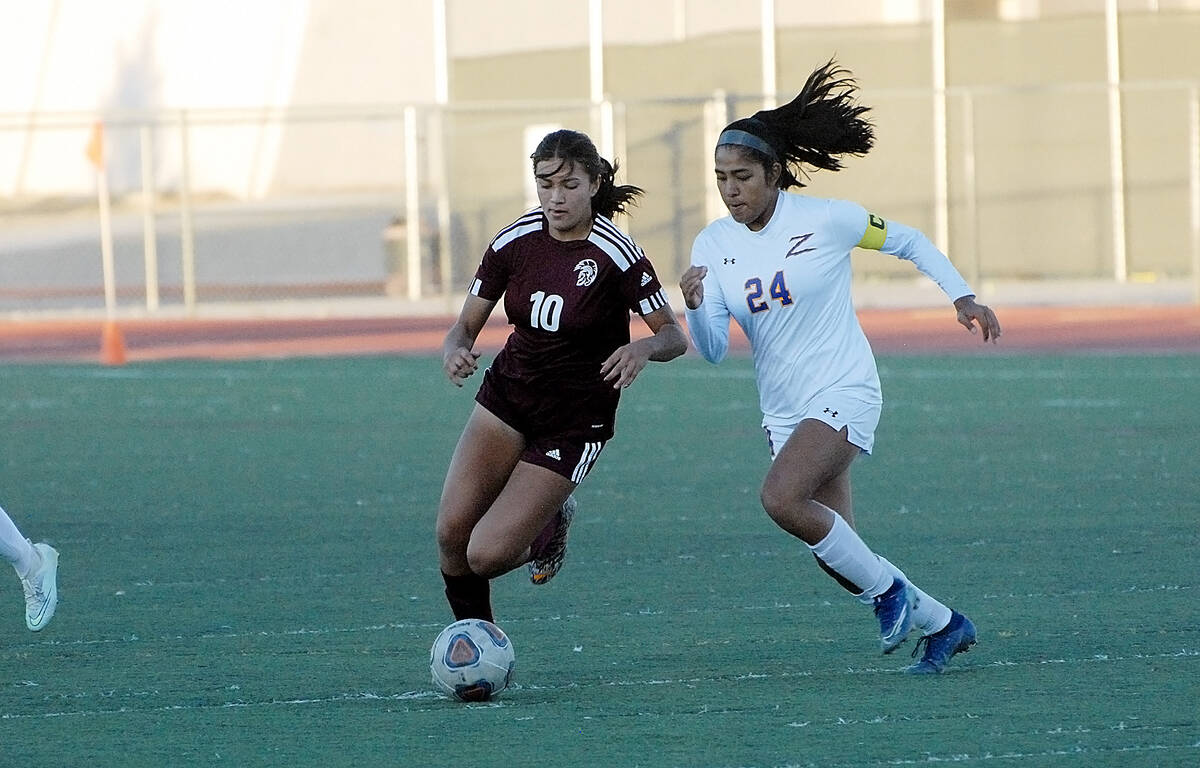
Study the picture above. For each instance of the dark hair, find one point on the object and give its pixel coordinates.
(814, 129)
(576, 147)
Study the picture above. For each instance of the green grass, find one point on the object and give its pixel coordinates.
(248, 573)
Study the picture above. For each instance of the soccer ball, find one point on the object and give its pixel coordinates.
(472, 660)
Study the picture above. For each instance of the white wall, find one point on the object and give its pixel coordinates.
(70, 62)
(67, 63)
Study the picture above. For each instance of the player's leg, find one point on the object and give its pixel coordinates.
(37, 567)
(14, 547)
(483, 460)
(529, 501)
(928, 614)
(944, 632)
(573, 457)
(814, 464)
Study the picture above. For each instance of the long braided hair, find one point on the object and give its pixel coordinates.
(575, 147)
(815, 129)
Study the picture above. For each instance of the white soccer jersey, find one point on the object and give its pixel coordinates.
(788, 287)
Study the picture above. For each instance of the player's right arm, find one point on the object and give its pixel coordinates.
(706, 312)
(459, 360)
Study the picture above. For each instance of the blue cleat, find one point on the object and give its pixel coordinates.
(894, 612)
(956, 637)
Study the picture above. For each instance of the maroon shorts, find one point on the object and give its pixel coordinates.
(564, 434)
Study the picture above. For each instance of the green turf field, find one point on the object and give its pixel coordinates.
(248, 574)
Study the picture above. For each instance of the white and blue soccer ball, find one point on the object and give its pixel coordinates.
(472, 660)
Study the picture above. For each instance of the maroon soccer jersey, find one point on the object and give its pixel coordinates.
(569, 304)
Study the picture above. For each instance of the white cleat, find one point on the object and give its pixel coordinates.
(548, 551)
(41, 588)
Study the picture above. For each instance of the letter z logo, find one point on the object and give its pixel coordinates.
(797, 245)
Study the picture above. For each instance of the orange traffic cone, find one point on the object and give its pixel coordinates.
(112, 345)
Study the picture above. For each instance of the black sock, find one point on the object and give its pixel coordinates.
(469, 596)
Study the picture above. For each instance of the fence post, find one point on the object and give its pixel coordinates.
(187, 238)
(971, 191)
(149, 234)
(1116, 154)
(412, 204)
(440, 176)
(716, 117)
(941, 181)
(767, 52)
(1194, 185)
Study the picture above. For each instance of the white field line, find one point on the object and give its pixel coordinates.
(686, 684)
(645, 611)
(1079, 756)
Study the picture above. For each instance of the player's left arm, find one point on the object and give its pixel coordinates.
(643, 292)
(911, 244)
(667, 343)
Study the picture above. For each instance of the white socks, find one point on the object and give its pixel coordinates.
(929, 615)
(846, 554)
(14, 547)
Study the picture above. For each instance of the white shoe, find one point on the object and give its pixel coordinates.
(41, 588)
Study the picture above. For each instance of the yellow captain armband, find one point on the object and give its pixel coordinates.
(876, 233)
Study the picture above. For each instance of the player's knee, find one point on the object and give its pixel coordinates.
(775, 503)
(488, 559)
(783, 503)
(452, 537)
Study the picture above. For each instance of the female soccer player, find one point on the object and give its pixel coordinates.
(779, 265)
(37, 567)
(546, 406)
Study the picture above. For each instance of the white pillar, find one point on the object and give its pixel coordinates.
(941, 180)
(187, 239)
(1116, 155)
(971, 188)
(768, 54)
(412, 206)
(149, 231)
(441, 83)
(441, 54)
(596, 50)
(602, 115)
(1194, 186)
(716, 117)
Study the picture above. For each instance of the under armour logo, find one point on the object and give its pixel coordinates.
(831, 413)
(731, 261)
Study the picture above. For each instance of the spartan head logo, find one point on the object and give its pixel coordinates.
(587, 272)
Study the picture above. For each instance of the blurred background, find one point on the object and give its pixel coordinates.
(183, 157)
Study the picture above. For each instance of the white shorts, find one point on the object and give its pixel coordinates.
(838, 409)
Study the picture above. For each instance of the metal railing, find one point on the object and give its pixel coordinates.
(400, 200)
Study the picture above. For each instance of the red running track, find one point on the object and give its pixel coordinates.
(1046, 330)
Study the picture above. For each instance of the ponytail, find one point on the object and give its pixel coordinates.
(611, 198)
(815, 129)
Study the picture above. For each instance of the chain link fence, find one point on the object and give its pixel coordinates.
(400, 201)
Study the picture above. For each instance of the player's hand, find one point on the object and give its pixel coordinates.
(460, 364)
(970, 313)
(692, 285)
(625, 363)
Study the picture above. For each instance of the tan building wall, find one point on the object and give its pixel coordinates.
(1039, 132)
